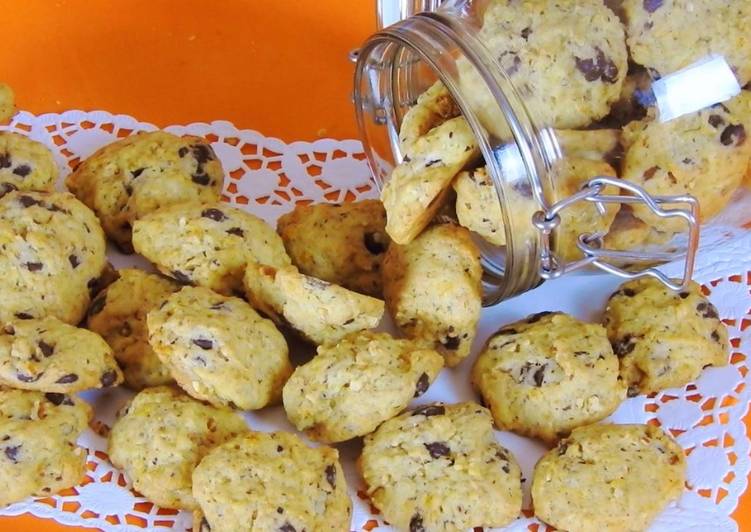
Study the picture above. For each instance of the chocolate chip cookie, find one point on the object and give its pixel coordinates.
(351, 387)
(272, 481)
(663, 338)
(548, 374)
(39, 432)
(433, 107)
(439, 468)
(433, 289)
(207, 245)
(321, 312)
(53, 250)
(134, 176)
(342, 244)
(118, 314)
(219, 349)
(608, 477)
(25, 164)
(159, 438)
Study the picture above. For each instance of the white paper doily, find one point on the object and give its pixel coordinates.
(268, 177)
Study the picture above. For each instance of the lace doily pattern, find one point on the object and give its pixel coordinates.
(269, 177)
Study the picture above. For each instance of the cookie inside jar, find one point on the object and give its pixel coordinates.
(584, 142)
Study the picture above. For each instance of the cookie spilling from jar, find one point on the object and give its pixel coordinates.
(595, 94)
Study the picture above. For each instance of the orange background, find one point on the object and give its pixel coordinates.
(279, 67)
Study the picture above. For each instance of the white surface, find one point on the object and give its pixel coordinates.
(328, 170)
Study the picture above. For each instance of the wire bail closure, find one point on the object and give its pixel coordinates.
(590, 244)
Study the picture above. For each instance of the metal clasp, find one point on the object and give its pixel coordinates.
(590, 244)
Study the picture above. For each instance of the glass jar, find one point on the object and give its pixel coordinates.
(571, 164)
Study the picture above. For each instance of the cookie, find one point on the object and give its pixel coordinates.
(321, 312)
(663, 338)
(608, 477)
(48, 355)
(7, 102)
(53, 250)
(351, 387)
(635, 100)
(477, 205)
(25, 164)
(40, 456)
(433, 289)
(134, 176)
(272, 481)
(548, 374)
(207, 245)
(666, 36)
(567, 59)
(675, 157)
(417, 187)
(159, 438)
(342, 244)
(119, 316)
(439, 468)
(433, 108)
(219, 349)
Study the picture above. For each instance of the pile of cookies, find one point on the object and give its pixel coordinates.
(585, 71)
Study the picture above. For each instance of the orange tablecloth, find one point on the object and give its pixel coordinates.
(277, 67)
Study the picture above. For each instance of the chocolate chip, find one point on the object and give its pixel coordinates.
(331, 475)
(181, 277)
(534, 318)
(58, 399)
(108, 378)
(200, 179)
(74, 261)
(437, 449)
(23, 316)
(562, 448)
(5, 160)
(236, 231)
(98, 304)
(523, 187)
(28, 378)
(279, 448)
(733, 135)
(715, 336)
(608, 70)
(182, 152)
(279, 510)
(287, 527)
(707, 310)
(539, 376)
(633, 391)
(451, 343)
(526, 32)
(433, 162)
(7, 187)
(423, 383)
(415, 524)
(202, 153)
(650, 6)
(57, 208)
(11, 452)
(34, 266)
(624, 346)
(649, 173)
(429, 410)
(28, 201)
(588, 67)
(46, 349)
(137, 172)
(715, 120)
(515, 63)
(22, 171)
(374, 243)
(203, 343)
(214, 214)
(67, 379)
(683, 295)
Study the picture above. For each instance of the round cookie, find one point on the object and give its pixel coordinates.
(548, 374)
(39, 452)
(7, 102)
(118, 314)
(350, 388)
(134, 176)
(53, 249)
(272, 481)
(433, 290)
(433, 107)
(608, 478)
(159, 438)
(25, 164)
(569, 59)
(439, 468)
(676, 157)
(342, 244)
(667, 35)
(49, 355)
(219, 349)
(209, 245)
(663, 338)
